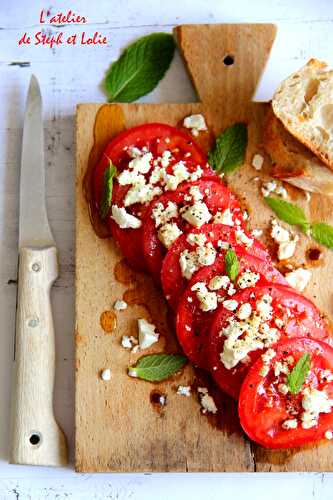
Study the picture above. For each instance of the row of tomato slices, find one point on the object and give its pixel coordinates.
(198, 332)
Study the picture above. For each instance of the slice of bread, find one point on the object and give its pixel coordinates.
(304, 104)
(293, 162)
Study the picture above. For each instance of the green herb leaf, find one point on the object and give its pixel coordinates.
(288, 212)
(299, 373)
(322, 233)
(231, 264)
(229, 150)
(156, 367)
(140, 67)
(109, 174)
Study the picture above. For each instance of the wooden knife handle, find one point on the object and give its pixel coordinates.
(36, 437)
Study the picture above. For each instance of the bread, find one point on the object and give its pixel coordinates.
(292, 161)
(304, 104)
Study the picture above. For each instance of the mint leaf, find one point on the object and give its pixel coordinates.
(288, 212)
(229, 150)
(322, 233)
(231, 264)
(156, 367)
(109, 174)
(140, 67)
(297, 376)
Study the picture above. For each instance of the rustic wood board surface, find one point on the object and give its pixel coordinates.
(117, 426)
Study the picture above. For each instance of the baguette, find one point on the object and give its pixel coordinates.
(304, 104)
(292, 161)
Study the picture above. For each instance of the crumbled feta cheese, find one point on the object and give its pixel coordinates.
(299, 279)
(147, 334)
(196, 214)
(256, 233)
(106, 374)
(230, 305)
(287, 249)
(180, 174)
(130, 177)
(287, 246)
(207, 299)
(196, 174)
(274, 187)
(168, 234)
(279, 233)
(329, 435)
(268, 356)
(314, 402)
(326, 376)
(128, 342)
(120, 305)
(195, 193)
(162, 214)
(224, 217)
(190, 262)
(279, 322)
(158, 174)
(196, 239)
(196, 123)
(184, 390)
(257, 161)
(280, 367)
(165, 159)
(248, 279)
(141, 164)
(124, 219)
(219, 282)
(206, 401)
(141, 193)
(290, 424)
(133, 151)
(244, 312)
(242, 238)
(264, 308)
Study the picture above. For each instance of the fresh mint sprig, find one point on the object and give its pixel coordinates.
(229, 149)
(231, 264)
(109, 175)
(140, 67)
(297, 376)
(157, 367)
(294, 215)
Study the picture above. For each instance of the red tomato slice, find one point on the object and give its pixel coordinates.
(292, 316)
(173, 282)
(275, 418)
(215, 195)
(193, 324)
(157, 138)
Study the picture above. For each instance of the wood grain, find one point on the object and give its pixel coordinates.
(34, 366)
(117, 428)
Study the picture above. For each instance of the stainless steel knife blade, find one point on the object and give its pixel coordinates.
(34, 229)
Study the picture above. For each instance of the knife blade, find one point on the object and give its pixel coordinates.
(36, 437)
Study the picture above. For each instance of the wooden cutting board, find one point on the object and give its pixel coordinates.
(119, 424)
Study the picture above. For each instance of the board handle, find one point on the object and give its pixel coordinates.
(225, 63)
(36, 438)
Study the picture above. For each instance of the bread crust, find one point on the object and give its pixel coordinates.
(315, 67)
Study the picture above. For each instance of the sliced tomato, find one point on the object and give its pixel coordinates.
(156, 138)
(173, 281)
(216, 196)
(269, 413)
(193, 324)
(292, 316)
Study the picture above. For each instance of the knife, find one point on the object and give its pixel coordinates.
(36, 438)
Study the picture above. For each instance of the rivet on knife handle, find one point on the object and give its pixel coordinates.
(36, 437)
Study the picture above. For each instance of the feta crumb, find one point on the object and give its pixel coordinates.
(184, 390)
(168, 233)
(299, 279)
(257, 161)
(279, 322)
(196, 214)
(147, 334)
(106, 374)
(206, 401)
(230, 305)
(124, 219)
(268, 356)
(165, 159)
(162, 214)
(264, 308)
(245, 310)
(256, 233)
(248, 279)
(196, 123)
(242, 238)
(329, 435)
(224, 217)
(128, 342)
(279, 233)
(290, 424)
(195, 193)
(219, 282)
(314, 402)
(274, 187)
(196, 239)
(120, 305)
(208, 300)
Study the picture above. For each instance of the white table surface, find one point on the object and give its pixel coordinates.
(69, 75)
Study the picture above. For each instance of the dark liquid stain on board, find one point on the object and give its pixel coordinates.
(314, 256)
(109, 122)
(158, 401)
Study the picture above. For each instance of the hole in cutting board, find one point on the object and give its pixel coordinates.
(228, 60)
(35, 438)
